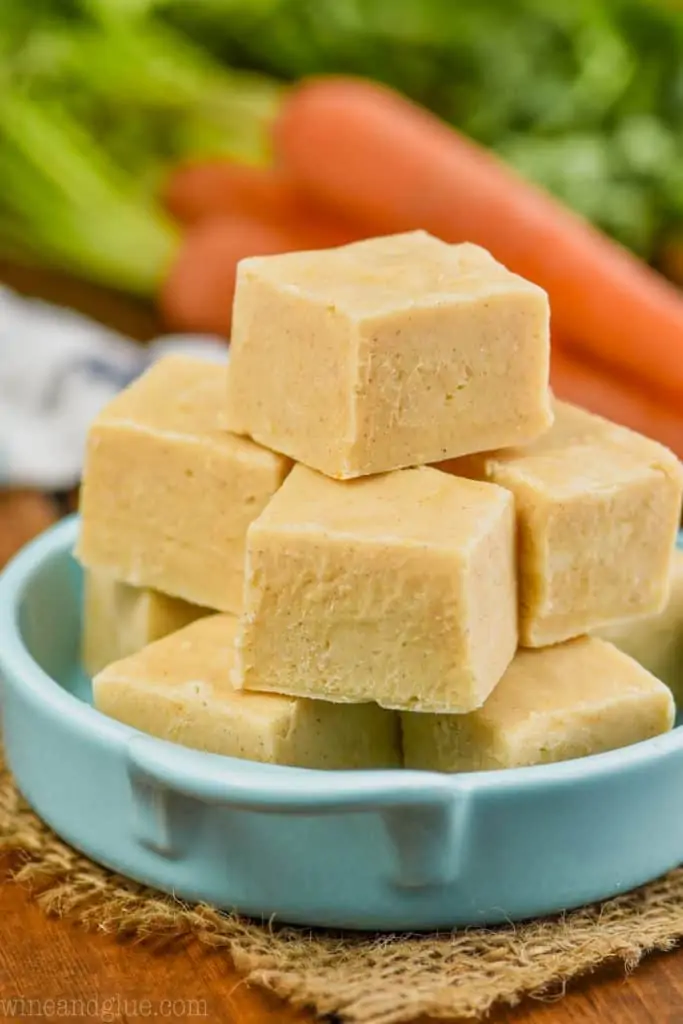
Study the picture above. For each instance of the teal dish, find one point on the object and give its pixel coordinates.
(386, 850)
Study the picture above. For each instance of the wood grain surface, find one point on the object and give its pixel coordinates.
(53, 971)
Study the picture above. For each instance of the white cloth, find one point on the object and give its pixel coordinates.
(57, 370)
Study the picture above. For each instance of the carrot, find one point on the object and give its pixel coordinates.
(209, 189)
(198, 291)
(616, 398)
(377, 158)
(212, 189)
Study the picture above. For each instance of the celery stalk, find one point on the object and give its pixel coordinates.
(71, 207)
(98, 100)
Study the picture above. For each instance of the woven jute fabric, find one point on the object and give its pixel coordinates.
(359, 978)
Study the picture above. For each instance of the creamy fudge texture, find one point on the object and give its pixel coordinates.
(656, 641)
(179, 690)
(167, 494)
(119, 620)
(387, 353)
(577, 698)
(598, 508)
(397, 588)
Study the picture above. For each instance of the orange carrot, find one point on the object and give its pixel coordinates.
(616, 398)
(378, 159)
(198, 291)
(216, 188)
(196, 191)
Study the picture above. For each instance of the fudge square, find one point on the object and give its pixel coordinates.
(119, 620)
(555, 704)
(598, 508)
(179, 690)
(387, 353)
(398, 589)
(167, 494)
(656, 641)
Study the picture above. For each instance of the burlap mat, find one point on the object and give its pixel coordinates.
(362, 979)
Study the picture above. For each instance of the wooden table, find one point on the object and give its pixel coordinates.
(55, 972)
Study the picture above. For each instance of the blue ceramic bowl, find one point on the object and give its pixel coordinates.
(365, 850)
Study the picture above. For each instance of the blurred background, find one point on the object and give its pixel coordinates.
(147, 145)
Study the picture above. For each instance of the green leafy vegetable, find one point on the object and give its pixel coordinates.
(96, 101)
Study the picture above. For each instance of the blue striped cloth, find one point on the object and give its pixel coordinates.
(57, 370)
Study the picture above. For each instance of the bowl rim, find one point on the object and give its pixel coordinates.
(19, 667)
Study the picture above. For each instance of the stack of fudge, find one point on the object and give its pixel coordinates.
(374, 538)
